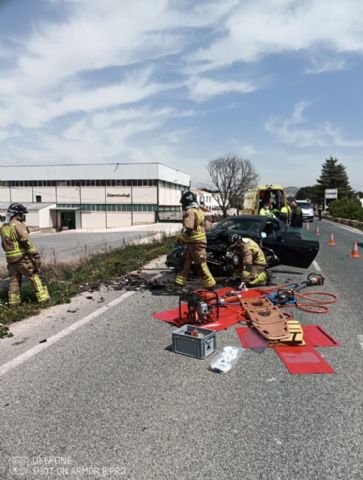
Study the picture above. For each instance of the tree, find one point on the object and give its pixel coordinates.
(334, 175)
(232, 176)
(309, 193)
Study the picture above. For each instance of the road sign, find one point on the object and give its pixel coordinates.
(331, 193)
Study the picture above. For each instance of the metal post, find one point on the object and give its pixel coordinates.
(132, 204)
(105, 206)
(80, 204)
(157, 200)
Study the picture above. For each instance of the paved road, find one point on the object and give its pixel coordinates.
(111, 395)
(66, 246)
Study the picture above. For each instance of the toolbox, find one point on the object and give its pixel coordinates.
(194, 341)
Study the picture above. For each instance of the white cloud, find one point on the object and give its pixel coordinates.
(201, 89)
(291, 132)
(109, 80)
(259, 27)
(323, 66)
(4, 135)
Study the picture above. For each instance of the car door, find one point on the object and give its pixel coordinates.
(288, 244)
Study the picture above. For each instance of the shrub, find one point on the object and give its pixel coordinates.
(347, 208)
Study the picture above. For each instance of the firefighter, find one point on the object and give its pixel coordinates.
(296, 219)
(194, 238)
(254, 262)
(22, 257)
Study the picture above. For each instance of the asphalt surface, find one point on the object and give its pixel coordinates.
(68, 245)
(110, 400)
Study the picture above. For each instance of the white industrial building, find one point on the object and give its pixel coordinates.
(93, 195)
(208, 199)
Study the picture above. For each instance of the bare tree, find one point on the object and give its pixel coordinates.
(232, 177)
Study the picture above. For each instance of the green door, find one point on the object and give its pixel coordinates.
(69, 220)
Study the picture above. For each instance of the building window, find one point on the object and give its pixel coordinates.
(38, 198)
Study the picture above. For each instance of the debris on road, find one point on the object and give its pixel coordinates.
(4, 331)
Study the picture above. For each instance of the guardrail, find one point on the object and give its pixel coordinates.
(345, 221)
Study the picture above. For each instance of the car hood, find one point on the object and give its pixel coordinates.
(225, 235)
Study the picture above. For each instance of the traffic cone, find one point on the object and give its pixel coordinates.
(355, 251)
(307, 227)
(331, 240)
(317, 231)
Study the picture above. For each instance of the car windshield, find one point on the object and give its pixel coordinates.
(305, 205)
(245, 224)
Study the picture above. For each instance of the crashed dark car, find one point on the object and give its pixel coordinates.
(294, 247)
(290, 246)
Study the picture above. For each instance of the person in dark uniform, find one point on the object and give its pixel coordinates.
(296, 216)
(320, 211)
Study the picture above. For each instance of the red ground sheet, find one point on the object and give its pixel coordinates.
(229, 315)
(303, 360)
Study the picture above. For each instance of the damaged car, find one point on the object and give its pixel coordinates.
(283, 245)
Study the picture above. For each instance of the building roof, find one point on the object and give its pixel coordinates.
(29, 206)
(94, 171)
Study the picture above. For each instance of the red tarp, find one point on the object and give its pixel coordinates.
(250, 338)
(227, 318)
(303, 360)
(229, 315)
(297, 359)
(315, 336)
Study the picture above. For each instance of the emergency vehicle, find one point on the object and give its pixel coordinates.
(254, 199)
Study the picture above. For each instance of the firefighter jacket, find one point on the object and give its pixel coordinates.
(15, 241)
(252, 254)
(193, 227)
(266, 212)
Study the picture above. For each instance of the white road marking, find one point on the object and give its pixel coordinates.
(360, 339)
(348, 228)
(6, 367)
(316, 266)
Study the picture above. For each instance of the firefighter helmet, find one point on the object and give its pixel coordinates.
(16, 209)
(187, 199)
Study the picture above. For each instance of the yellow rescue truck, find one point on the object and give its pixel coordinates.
(256, 198)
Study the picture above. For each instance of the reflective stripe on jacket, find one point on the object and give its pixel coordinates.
(193, 222)
(15, 241)
(266, 213)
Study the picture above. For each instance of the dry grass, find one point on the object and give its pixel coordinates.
(65, 280)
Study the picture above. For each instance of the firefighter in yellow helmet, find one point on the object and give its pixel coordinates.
(253, 261)
(22, 257)
(194, 238)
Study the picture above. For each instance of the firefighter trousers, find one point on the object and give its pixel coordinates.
(256, 277)
(18, 270)
(196, 252)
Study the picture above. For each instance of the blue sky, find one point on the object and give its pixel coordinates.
(183, 82)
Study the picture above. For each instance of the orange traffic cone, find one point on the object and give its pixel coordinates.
(331, 240)
(317, 231)
(355, 251)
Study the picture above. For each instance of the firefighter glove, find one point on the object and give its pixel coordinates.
(245, 275)
(37, 261)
